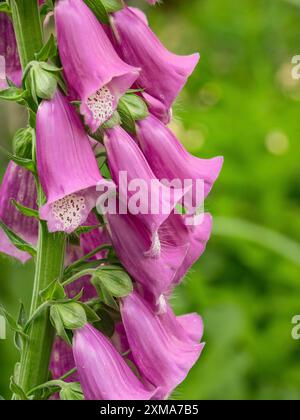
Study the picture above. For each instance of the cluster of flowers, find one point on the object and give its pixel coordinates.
(151, 350)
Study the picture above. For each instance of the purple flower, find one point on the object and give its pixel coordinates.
(163, 74)
(95, 73)
(149, 200)
(8, 49)
(103, 374)
(156, 270)
(67, 167)
(162, 349)
(17, 184)
(170, 160)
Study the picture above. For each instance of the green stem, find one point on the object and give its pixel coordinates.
(37, 350)
(36, 353)
(28, 29)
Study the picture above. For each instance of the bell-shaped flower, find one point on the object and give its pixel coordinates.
(18, 184)
(162, 350)
(103, 373)
(152, 264)
(163, 74)
(95, 73)
(9, 50)
(67, 167)
(139, 190)
(170, 160)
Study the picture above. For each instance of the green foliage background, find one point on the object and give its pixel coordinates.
(241, 103)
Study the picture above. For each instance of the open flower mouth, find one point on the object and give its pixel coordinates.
(101, 105)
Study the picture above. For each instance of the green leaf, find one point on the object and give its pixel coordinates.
(132, 108)
(72, 315)
(13, 94)
(17, 241)
(4, 7)
(115, 280)
(71, 391)
(26, 211)
(48, 51)
(25, 163)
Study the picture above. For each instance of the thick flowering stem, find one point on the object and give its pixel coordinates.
(37, 350)
(51, 247)
(28, 30)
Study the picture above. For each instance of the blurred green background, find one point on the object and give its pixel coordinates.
(241, 103)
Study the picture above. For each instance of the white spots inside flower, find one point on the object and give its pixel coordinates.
(68, 211)
(101, 105)
(155, 249)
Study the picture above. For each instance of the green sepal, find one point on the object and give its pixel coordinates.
(91, 315)
(112, 122)
(26, 211)
(105, 296)
(22, 319)
(24, 163)
(71, 391)
(72, 315)
(54, 291)
(14, 326)
(57, 323)
(115, 280)
(5, 8)
(102, 8)
(17, 241)
(23, 142)
(132, 108)
(12, 94)
(48, 51)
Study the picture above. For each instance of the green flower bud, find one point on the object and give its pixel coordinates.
(43, 83)
(69, 315)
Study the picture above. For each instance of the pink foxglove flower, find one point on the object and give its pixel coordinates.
(103, 373)
(156, 270)
(170, 160)
(67, 168)
(163, 74)
(161, 348)
(8, 50)
(150, 201)
(18, 184)
(95, 73)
